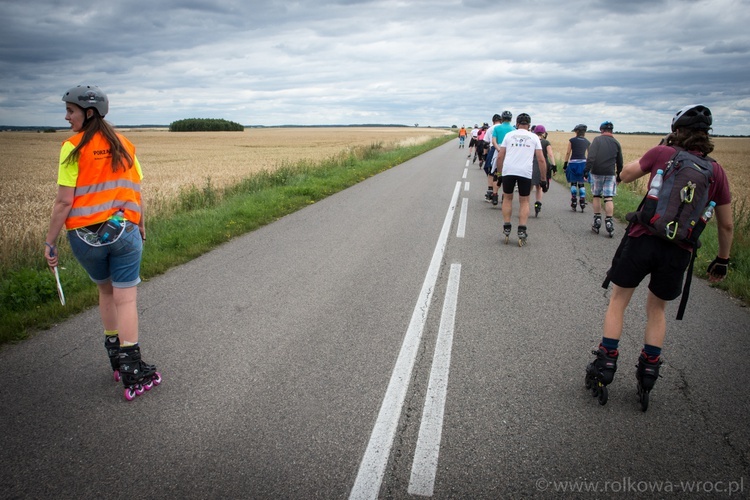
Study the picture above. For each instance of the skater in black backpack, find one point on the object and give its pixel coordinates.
(644, 252)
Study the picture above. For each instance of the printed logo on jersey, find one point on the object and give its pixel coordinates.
(519, 141)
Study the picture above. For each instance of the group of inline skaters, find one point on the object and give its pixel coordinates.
(96, 194)
(516, 157)
(599, 163)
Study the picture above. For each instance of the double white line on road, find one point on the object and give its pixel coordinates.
(372, 468)
(424, 468)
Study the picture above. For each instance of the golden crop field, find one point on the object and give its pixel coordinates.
(730, 152)
(28, 166)
(170, 160)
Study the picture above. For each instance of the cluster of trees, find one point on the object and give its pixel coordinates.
(205, 125)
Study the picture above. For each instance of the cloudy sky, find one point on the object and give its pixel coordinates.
(432, 63)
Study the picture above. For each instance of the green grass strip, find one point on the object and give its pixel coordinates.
(201, 219)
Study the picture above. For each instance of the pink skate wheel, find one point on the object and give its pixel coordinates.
(157, 378)
(139, 390)
(148, 385)
(130, 394)
(116, 375)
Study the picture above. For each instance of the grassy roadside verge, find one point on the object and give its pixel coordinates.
(737, 282)
(201, 218)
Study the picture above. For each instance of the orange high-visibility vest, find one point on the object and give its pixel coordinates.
(99, 192)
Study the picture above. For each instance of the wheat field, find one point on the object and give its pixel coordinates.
(730, 152)
(171, 161)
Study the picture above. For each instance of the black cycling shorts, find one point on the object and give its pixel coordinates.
(644, 255)
(510, 181)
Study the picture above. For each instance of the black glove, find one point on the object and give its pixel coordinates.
(544, 185)
(717, 270)
(565, 166)
(617, 178)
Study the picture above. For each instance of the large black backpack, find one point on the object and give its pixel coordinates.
(676, 215)
(683, 199)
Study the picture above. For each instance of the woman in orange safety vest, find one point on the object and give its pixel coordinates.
(99, 203)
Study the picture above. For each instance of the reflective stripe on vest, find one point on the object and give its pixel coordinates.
(99, 192)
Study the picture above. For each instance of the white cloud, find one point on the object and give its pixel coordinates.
(440, 62)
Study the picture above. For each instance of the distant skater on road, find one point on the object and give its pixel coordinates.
(603, 167)
(549, 157)
(473, 140)
(496, 138)
(515, 161)
(99, 203)
(575, 165)
(702, 188)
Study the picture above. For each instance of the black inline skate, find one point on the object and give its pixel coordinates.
(522, 236)
(137, 376)
(582, 202)
(601, 372)
(647, 371)
(112, 345)
(537, 208)
(573, 202)
(488, 196)
(609, 226)
(506, 231)
(597, 223)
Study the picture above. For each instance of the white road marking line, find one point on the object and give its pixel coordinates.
(424, 467)
(372, 468)
(466, 185)
(467, 162)
(466, 172)
(461, 231)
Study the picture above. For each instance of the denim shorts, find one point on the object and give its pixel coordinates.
(118, 262)
(604, 185)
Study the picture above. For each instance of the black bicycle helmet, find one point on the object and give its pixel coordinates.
(694, 116)
(523, 119)
(606, 126)
(507, 115)
(88, 96)
(580, 126)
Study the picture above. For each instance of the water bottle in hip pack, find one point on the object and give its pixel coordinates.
(683, 197)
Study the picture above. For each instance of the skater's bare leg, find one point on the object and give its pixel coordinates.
(523, 212)
(656, 322)
(508, 207)
(613, 319)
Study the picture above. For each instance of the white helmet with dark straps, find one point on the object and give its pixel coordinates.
(694, 116)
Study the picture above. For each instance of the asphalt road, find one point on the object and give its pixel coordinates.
(298, 361)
